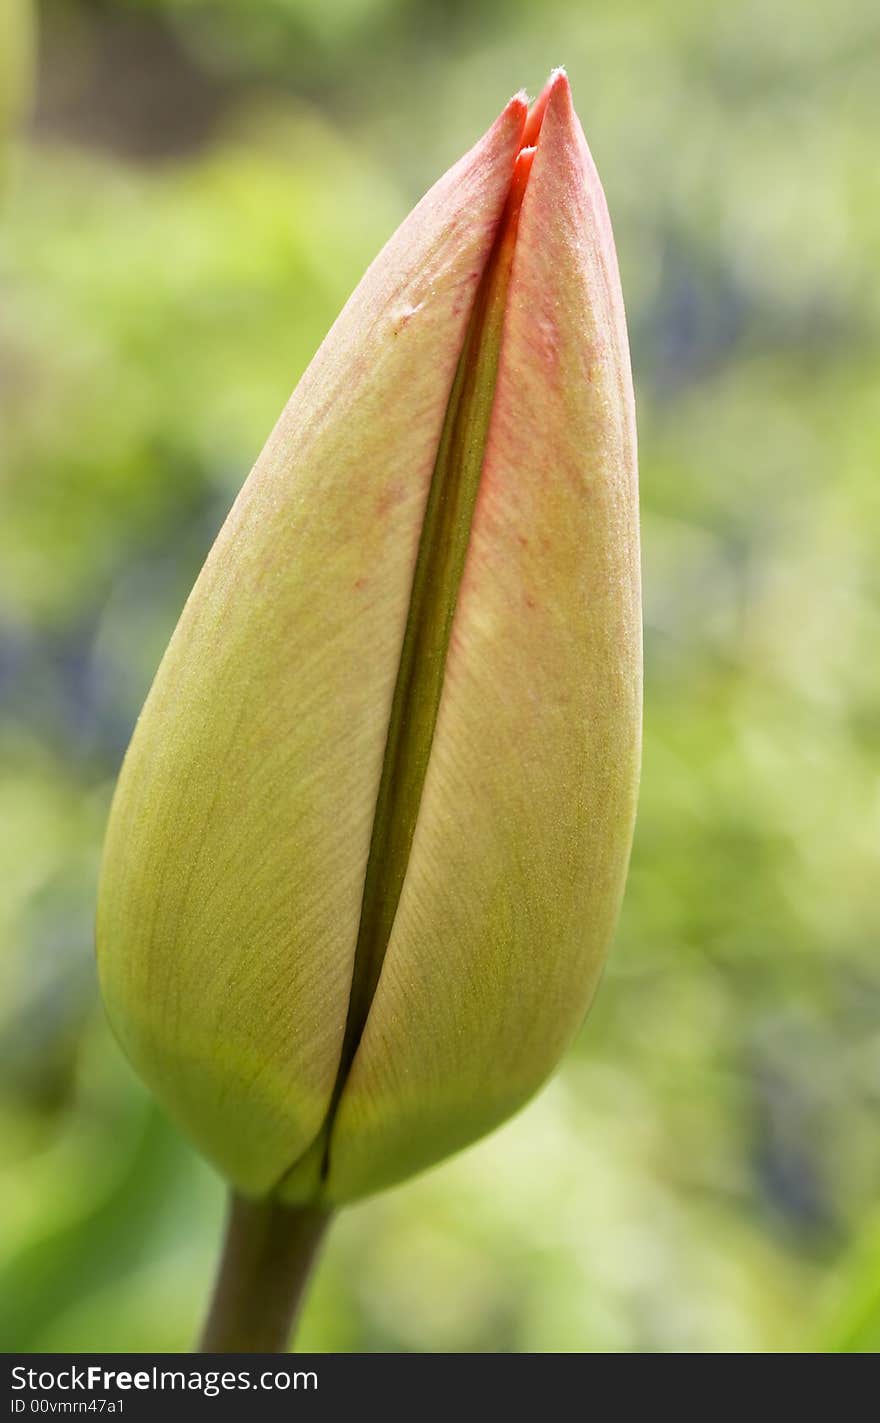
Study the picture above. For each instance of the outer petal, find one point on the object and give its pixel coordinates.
(235, 857)
(525, 824)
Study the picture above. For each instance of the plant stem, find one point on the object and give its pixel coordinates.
(267, 1261)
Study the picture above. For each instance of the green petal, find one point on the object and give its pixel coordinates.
(524, 828)
(236, 853)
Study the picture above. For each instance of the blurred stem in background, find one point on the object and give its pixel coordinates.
(17, 60)
(268, 1256)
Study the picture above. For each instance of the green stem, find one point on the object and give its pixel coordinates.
(268, 1255)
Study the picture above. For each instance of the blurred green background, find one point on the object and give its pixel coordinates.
(191, 188)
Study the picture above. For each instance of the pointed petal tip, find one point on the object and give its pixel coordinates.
(558, 90)
(557, 79)
(516, 110)
(555, 109)
(510, 123)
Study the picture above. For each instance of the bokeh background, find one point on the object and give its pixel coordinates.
(190, 189)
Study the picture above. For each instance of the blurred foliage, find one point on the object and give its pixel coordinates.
(199, 186)
(16, 68)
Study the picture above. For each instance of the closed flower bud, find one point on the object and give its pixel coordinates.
(370, 838)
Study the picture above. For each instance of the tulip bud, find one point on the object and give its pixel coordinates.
(370, 838)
